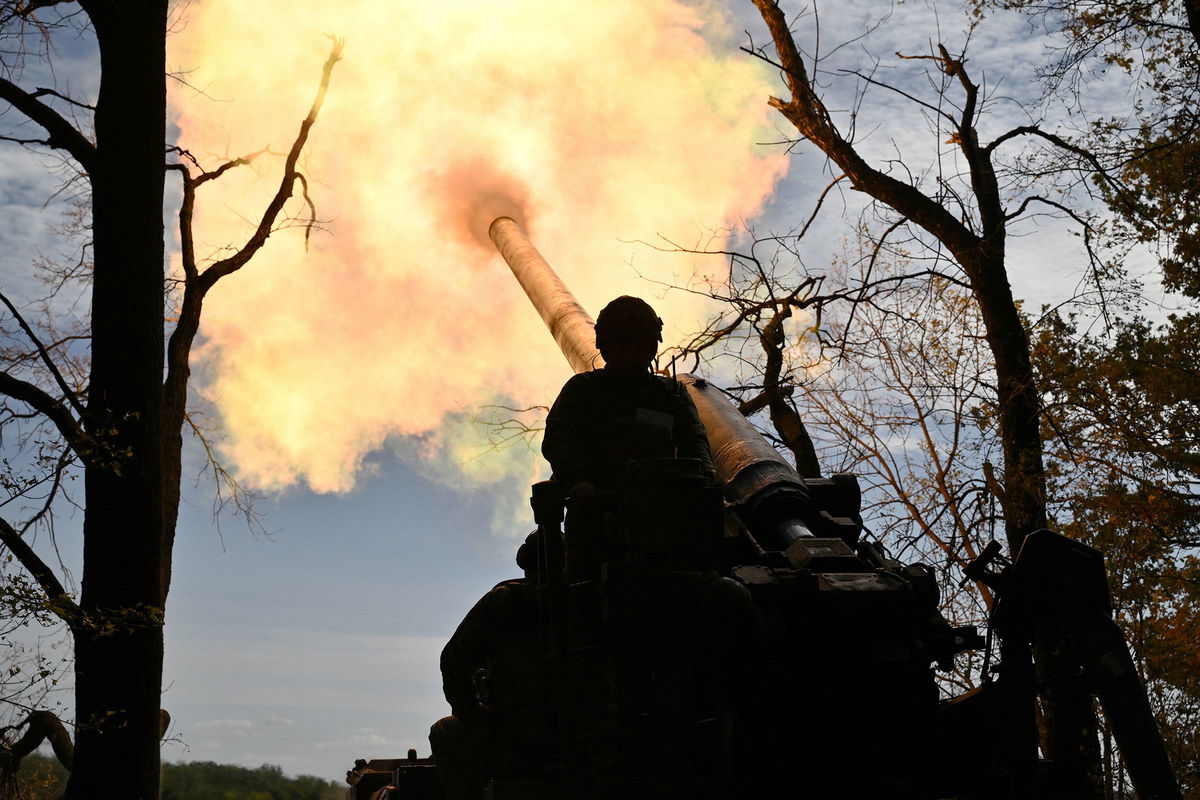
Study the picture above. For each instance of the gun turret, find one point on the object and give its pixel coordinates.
(572, 327)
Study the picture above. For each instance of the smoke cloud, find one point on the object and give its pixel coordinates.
(472, 194)
(591, 122)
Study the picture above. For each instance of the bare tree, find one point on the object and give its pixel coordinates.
(974, 237)
(961, 221)
(113, 415)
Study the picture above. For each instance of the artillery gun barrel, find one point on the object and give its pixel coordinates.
(755, 476)
(758, 481)
(572, 327)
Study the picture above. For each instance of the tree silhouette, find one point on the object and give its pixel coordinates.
(116, 410)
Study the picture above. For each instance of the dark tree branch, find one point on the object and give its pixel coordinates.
(206, 176)
(61, 133)
(806, 111)
(1053, 204)
(196, 287)
(906, 95)
(787, 421)
(19, 140)
(1093, 259)
(188, 204)
(1058, 141)
(870, 268)
(41, 92)
(27, 8)
(67, 391)
(753, 405)
(199, 283)
(64, 461)
(40, 726)
(60, 602)
(1128, 203)
(983, 174)
(753, 310)
(53, 410)
(820, 202)
(227, 266)
(187, 246)
(312, 209)
(228, 490)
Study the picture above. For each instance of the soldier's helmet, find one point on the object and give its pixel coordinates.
(527, 555)
(627, 319)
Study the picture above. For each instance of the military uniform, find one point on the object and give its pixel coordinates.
(501, 636)
(602, 421)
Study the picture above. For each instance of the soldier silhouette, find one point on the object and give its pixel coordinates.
(607, 418)
(490, 676)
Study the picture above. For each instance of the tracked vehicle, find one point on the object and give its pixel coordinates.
(744, 636)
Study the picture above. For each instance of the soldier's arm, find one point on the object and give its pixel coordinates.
(691, 439)
(467, 651)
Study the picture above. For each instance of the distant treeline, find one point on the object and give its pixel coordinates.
(44, 779)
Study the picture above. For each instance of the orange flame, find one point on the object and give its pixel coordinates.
(593, 122)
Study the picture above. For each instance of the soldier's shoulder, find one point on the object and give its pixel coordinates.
(509, 584)
(500, 595)
(582, 381)
(512, 595)
(575, 391)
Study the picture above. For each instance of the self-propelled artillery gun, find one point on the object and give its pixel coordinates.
(743, 638)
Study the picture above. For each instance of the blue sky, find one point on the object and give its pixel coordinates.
(317, 644)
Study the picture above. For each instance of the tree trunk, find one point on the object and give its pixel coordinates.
(119, 644)
(784, 417)
(1018, 404)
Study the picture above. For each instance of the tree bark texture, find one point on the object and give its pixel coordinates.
(1191, 8)
(119, 640)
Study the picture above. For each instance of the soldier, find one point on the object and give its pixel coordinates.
(493, 654)
(609, 417)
